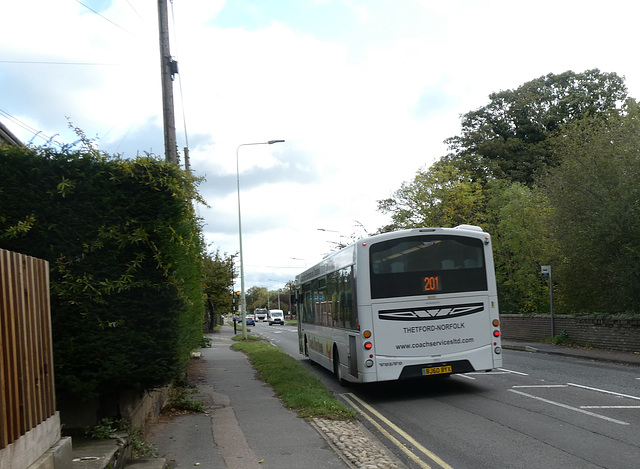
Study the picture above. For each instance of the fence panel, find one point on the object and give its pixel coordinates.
(26, 361)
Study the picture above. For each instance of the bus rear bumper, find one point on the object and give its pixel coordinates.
(395, 368)
(417, 371)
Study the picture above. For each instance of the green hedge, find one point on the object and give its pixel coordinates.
(125, 255)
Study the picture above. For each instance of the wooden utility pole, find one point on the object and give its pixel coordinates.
(169, 67)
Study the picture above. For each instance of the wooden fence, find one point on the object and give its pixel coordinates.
(27, 396)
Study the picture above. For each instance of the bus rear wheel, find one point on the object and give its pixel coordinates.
(337, 369)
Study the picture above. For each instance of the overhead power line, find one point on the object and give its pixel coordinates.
(48, 62)
(28, 128)
(104, 17)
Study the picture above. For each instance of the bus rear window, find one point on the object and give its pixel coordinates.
(426, 265)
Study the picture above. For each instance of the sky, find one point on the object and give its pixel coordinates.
(364, 93)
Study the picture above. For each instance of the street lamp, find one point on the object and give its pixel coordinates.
(331, 231)
(300, 259)
(339, 244)
(243, 298)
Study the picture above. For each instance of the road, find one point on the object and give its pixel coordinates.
(539, 411)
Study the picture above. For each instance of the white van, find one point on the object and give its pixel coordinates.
(261, 314)
(276, 316)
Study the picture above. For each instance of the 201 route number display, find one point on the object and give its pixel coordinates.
(431, 284)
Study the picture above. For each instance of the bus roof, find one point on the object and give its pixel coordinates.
(346, 256)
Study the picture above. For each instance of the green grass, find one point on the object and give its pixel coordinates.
(298, 388)
(107, 428)
(180, 399)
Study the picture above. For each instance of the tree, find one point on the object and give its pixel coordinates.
(522, 241)
(289, 294)
(595, 193)
(442, 195)
(574, 127)
(218, 272)
(257, 297)
(506, 139)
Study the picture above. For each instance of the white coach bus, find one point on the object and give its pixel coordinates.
(402, 305)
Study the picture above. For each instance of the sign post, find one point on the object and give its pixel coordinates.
(546, 273)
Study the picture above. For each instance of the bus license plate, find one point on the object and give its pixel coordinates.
(436, 370)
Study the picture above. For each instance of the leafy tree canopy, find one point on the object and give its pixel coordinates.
(257, 297)
(551, 169)
(218, 272)
(507, 137)
(442, 195)
(595, 193)
(519, 219)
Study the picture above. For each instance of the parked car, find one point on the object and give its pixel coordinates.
(276, 316)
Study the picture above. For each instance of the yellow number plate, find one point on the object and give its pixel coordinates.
(436, 370)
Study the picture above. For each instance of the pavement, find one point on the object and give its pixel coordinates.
(246, 426)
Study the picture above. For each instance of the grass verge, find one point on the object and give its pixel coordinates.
(298, 388)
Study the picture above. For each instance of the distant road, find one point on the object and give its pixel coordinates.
(539, 411)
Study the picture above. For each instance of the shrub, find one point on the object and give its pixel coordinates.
(124, 249)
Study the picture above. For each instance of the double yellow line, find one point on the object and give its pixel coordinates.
(358, 404)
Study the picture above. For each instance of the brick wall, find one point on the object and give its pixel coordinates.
(611, 334)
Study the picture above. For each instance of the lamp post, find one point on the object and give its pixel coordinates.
(339, 244)
(332, 231)
(300, 259)
(243, 298)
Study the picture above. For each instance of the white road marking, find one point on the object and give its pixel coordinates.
(604, 391)
(514, 372)
(543, 386)
(610, 406)
(565, 406)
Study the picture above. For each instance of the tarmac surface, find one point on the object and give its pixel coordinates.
(246, 426)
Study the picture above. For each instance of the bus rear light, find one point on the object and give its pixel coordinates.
(497, 350)
(496, 333)
(368, 345)
(368, 363)
(496, 322)
(366, 334)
